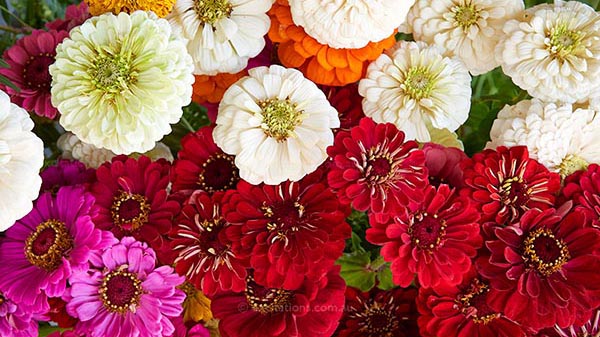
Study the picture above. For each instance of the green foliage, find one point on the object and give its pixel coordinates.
(360, 272)
(194, 117)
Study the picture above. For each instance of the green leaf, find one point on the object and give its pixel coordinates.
(45, 330)
(356, 270)
(8, 83)
(384, 276)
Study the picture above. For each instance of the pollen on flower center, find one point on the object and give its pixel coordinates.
(513, 191)
(112, 73)
(46, 246)
(286, 218)
(211, 11)
(376, 320)
(427, 231)
(562, 42)
(35, 71)
(419, 83)
(465, 16)
(280, 118)
(473, 303)
(545, 253)
(571, 164)
(267, 301)
(129, 211)
(219, 173)
(120, 291)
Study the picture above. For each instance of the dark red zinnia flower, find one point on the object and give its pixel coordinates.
(379, 313)
(583, 188)
(75, 15)
(58, 313)
(462, 311)
(201, 165)
(204, 253)
(66, 173)
(311, 310)
(286, 231)
(373, 168)
(131, 199)
(543, 270)
(348, 102)
(443, 164)
(505, 183)
(435, 238)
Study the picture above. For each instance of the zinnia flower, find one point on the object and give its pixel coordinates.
(349, 24)
(222, 34)
(347, 102)
(374, 169)
(583, 189)
(160, 7)
(415, 87)
(553, 52)
(277, 124)
(288, 231)
(201, 165)
(58, 313)
(504, 183)
(590, 329)
(443, 164)
(66, 173)
(434, 238)
(41, 250)
(468, 29)
(21, 158)
(123, 294)
(319, 62)
(181, 330)
(75, 15)
(542, 269)
(311, 310)
(28, 60)
(119, 81)
(16, 319)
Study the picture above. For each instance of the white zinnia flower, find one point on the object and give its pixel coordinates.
(222, 34)
(120, 81)
(21, 158)
(560, 137)
(468, 29)
(416, 87)
(349, 23)
(276, 123)
(553, 52)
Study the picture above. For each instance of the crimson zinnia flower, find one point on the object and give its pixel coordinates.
(348, 102)
(505, 183)
(311, 310)
(443, 164)
(435, 238)
(204, 251)
(583, 188)
(543, 270)
(373, 168)
(286, 231)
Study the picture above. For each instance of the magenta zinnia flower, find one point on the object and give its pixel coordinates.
(29, 60)
(66, 173)
(42, 249)
(17, 320)
(124, 294)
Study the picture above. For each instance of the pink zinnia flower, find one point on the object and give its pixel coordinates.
(42, 249)
(29, 60)
(124, 294)
(75, 15)
(17, 320)
(66, 173)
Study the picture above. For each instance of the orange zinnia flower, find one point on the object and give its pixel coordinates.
(319, 63)
(211, 88)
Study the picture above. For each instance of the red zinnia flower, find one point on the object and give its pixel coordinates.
(286, 231)
(204, 252)
(379, 313)
(201, 165)
(435, 238)
(58, 313)
(505, 183)
(461, 311)
(75, 15)
(131, 199)
(543, 270)
(348, 102)
(311, 310)
(29, 60)
(373, 168)
(583, 187)
(443, 164)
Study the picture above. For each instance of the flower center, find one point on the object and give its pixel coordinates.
(544, 252)
(112, 74)
(120, 291)
(36, 73)
(219, 173)
(562, 42)
(419, 83)
(130, 211)
(377, 321)
(210, 11)
(267, 301)
(285, 218)
(466, 16)
(280, 118)
(2, 299)
(427, 231)
(379, 166)
(473, 303)
(571, 164)
(46, 246)
(513, 191)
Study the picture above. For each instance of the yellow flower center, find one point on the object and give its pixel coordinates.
(120, 291)
(211, 11)
(112, 73)
(130, 211)
(265, 300)
(45, 247)
(280, 118)
(563, 42)
(570, 164)
(544, 253)
(419, 83)
(466, 15)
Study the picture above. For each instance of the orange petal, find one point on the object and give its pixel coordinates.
(311, 45)
(337, 57)
(295, 33)
(346, 75)
(355, 64)
(316, 73)
(322, 58)
(288, 56)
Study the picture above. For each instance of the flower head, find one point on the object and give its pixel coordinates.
(17, 319)
(443, 164)
(75, 15)
(583, 189)
(66, 173)
(160, 7)
(347, 102)
(591, 328)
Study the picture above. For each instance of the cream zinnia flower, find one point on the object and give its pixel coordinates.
(468, 29)
(120, 81)
(222, 34)
(553, 52)
(560, 137)
(415, 88)
(276, 123)
(21, 158)
(349, 23)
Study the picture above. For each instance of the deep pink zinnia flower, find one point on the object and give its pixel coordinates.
(435, 238)
(374, 169)
(42, 249)
(311, 310)
(543, 270)
(29, 59)
(583, 188)
(505, 183)
(203, 250)
(443, 164)
(286, 231)
(17, 319)
(181, 330)
(66, 173)
(75, 15)
(124, 294)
